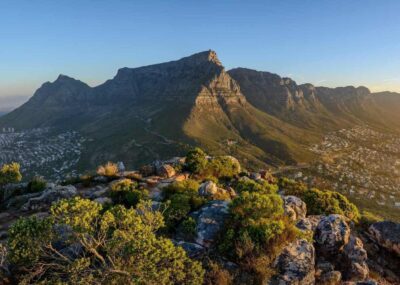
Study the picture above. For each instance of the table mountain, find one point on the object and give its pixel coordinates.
(159, 110)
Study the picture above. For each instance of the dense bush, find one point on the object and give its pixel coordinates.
(196, 161)
(256, 232)
(329, 202)
(223, 167)
(10, 173)
(37, 184)
(248, 185)
(110, 169)
(320, 202)
(124, 192)
(291, 187)
(118, 246)
(181, 198)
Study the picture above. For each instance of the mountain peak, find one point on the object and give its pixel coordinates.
(204, 56)
(64, 78)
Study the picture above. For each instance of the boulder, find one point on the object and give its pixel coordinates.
(295, 265)
(193, 250)
(387, 235)
(100, 179)
(355, 260)
(48, 196)
(331, 235)
(294, 208)
(210, 220)
(310, 223)
(208, 189)
(165, 170)
(103, 200)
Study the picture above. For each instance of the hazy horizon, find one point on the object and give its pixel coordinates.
(323, 43)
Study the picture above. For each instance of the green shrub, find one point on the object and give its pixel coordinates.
(256, 232)
(188, 228)
(124, 192)
(26, 238)
(188, 186)
(196, 161)
(119, 246)
(10, 173)
(178, 207)
(37, 184)
(291, 187)
(329, 202)
(223, 167)
(248, 185)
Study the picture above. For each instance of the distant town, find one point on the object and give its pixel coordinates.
(41, 152)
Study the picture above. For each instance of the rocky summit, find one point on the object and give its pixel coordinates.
(233, 226)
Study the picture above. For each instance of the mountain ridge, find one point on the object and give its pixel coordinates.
(160, 109)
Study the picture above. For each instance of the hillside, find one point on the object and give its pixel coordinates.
(163, 109)
(197, 219)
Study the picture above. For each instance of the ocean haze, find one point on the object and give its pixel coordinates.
(9, 103)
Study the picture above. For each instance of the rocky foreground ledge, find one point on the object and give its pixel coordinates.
(337, 253)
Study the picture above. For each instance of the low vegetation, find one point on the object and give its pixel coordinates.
(321, 202)
(10, 173)
(114, 246)
(110, 169)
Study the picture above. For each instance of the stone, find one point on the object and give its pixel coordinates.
(100, 179)
(165, 170)
(193, 250)
(13, 189)
(103, 200)
(210, 220)
(330, 278)
(356, 260)
(208, 189)
(294, 208)
(121, 167)
(331, 235)
(255, 176)
(387, 235)
(48, 196)
(295, 265)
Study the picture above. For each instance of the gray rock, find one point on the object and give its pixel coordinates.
(294, 207)
(48, 196)
(295, 265)
(387, 235)
(100, 179)
(356, 257)
(13, 189)
(331, 235)
(210, 220)
(193, 250)
(103, 200)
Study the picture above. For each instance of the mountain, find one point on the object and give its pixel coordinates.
(163, 109)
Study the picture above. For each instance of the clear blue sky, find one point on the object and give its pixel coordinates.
(332, 43)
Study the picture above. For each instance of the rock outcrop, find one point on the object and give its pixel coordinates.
(294, 208)
(295, 264)
(331, 235)
(387, 235)
(48, 196)
(210, 220)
